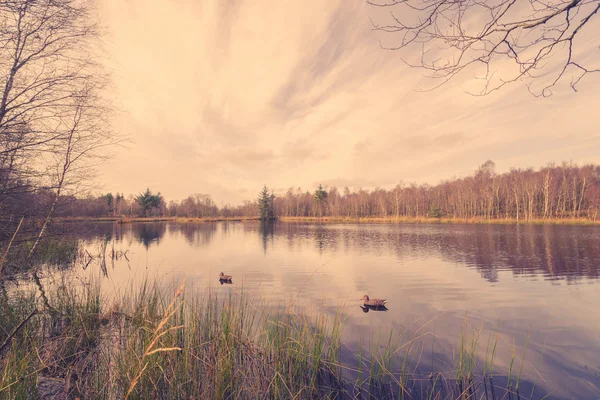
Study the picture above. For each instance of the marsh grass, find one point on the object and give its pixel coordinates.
(152, 342)
(55, 252)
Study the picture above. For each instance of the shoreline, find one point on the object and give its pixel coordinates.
(425, 220)
(356, 220)
(127, 220)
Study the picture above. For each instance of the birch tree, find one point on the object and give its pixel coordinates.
(54, 114)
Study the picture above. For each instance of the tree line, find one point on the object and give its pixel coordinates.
(552, 192)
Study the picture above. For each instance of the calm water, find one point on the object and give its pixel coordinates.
(538, 286)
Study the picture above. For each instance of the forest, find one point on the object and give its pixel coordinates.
(551, 192)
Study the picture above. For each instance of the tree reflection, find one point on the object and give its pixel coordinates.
(321, 238)
(148, 233)
(560, 252)
(564, 252)
(266, 230)
(197, 234)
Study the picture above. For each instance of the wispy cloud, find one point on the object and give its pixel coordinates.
(225, 96)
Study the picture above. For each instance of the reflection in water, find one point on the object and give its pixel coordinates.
(367, 308)
(267, 232)
(196, 235)
(150, 233)
(321, 238)
(560, 252)
(565, 252)
(146, 233)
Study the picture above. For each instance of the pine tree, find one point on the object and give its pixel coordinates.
(110, 203)
(148, 201)
(320, 198)
(118, 202)
(265, 201)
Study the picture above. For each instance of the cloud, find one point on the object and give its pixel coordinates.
(244, 156)
(303, 150)
(223, 97)
(324, 68)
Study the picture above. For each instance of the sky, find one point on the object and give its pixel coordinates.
(223, 97)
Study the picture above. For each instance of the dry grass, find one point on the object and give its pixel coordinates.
(341, 219)
(425, 220)
(217, 219)
(157, 343)
(128, 220)
(121, 220)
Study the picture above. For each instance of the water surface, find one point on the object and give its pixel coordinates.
(536, 286)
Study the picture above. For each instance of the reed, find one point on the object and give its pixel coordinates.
(155, 342)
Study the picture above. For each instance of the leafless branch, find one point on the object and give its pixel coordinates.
(513, 40)
(54, 119)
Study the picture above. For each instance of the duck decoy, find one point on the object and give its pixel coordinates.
(373, 302)
(225, 278)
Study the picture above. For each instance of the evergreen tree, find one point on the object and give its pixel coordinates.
(118, 201)
(265, 201)
(148, 201)
(320, 198)
(110, 203)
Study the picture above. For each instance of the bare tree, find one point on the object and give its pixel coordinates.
(505, 40)
(552, 192)
(54, 117)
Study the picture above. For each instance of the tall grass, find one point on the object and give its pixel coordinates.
(60, 253)
(150, 342)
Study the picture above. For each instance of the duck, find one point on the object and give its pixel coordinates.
(373, 302)
(223, 277)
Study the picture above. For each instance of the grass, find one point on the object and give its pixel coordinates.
(150, 342)
(58, 252)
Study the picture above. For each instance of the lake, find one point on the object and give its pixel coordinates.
(531, 288)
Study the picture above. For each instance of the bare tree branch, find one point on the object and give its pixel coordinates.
(510, 40)
(54, 118)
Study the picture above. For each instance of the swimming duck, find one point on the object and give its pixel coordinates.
(373, 302)
(223, 277)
